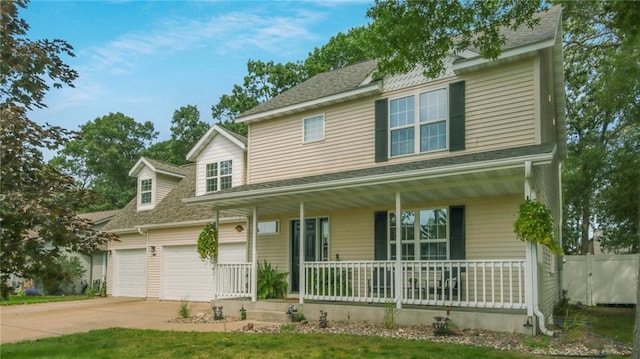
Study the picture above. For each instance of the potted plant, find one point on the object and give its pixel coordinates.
(535, 224)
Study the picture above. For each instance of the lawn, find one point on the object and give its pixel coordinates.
(27, 299)
(127, 343)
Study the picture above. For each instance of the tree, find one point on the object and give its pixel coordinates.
(263, 81)
(186, 131)
(408, 34)
(341, 50)
(107, 148)
(38, 220)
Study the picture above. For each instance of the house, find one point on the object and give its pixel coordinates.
(405, 189)
(156, 256)
(95, 263)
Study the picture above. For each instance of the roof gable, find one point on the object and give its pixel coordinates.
(157, 167)
(215, 130)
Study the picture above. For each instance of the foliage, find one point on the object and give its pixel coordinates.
(342, 50)
(107, 148)
(185, 308)
(91, 292)
(186, 130)
(31, 292)
(535, 224)
(329, 281)
(208, 243)
(103, 289)
(62, 271)
(39, 204)
(406, 35)
(29, 67)
(390, 311)
(271, 282)
(601, 47)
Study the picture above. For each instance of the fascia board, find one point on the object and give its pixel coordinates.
(479, 60)
(371, 89)
(208, 137)
(384, 178)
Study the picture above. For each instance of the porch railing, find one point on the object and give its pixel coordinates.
(468, 283)
(232, 280)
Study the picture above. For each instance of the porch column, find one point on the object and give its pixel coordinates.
(529, 261)
(254, 255)
(398, 276)
(303, 226)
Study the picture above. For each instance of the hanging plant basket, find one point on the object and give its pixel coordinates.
(535, 224)
(208, 243)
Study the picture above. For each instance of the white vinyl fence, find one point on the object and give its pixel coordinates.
(601, 279)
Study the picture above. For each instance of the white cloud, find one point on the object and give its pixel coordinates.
(234, 30)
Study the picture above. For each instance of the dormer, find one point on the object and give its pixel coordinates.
(155, 180)
(220, 158)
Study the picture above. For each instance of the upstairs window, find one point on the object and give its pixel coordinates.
(212, 177)
(313, 129)
(429, 122)
(146, 186)
(219, 175)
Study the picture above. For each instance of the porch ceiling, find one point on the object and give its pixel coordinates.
(444, 187)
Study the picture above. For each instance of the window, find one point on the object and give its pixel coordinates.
(313, 129)
(430, 124)
(146, 191)
(423, 234)
(219, 176)
(212, 177)
(269, 227)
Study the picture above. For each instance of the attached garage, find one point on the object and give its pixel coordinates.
(186, 276)
(129, 273)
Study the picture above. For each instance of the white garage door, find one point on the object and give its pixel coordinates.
(129, 273)
(186, 276)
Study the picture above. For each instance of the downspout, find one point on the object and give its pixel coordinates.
(532, 260)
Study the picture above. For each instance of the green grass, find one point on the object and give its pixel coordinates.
(129, 343)
(15, 300)
(615, 323)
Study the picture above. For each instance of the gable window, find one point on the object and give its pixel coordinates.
(313, 129)
(219, 175)
(146, 191)
(429, 122)
(423, 234)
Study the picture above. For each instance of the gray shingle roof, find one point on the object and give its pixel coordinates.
(402, 167)
(170, 210)
(545, 30)
(322, 85)
(167, 167)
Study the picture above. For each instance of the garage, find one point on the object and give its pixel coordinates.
(130, 273)
(186, 276)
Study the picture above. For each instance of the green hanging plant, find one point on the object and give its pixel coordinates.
(208, 243)
(535, 224)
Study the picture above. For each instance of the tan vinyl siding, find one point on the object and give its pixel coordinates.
(274, 248)
(489, 228)
(548, 131)
(500, 107)
(276, 150)
(352, 234)
(500, 113)
(164, 186)
(220, 149)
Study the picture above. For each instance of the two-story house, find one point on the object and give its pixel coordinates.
(157, 256)
(405, 189)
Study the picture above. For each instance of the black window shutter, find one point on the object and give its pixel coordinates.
(382, 123)
(456, 116)
(380, 236)
(456, 232)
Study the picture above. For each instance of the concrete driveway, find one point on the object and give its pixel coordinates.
(34, 321)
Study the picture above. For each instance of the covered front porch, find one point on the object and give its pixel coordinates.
(486, 272)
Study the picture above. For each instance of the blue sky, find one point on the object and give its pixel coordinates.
(146, 59)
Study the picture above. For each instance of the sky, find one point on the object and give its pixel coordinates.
(147, 59)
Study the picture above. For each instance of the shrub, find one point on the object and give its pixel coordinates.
(185, 309)
(31, 292)
(271, 283)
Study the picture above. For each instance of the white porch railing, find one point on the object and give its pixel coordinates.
(232, 280)
(469, 283)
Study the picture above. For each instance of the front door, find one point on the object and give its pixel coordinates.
(309, 249)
